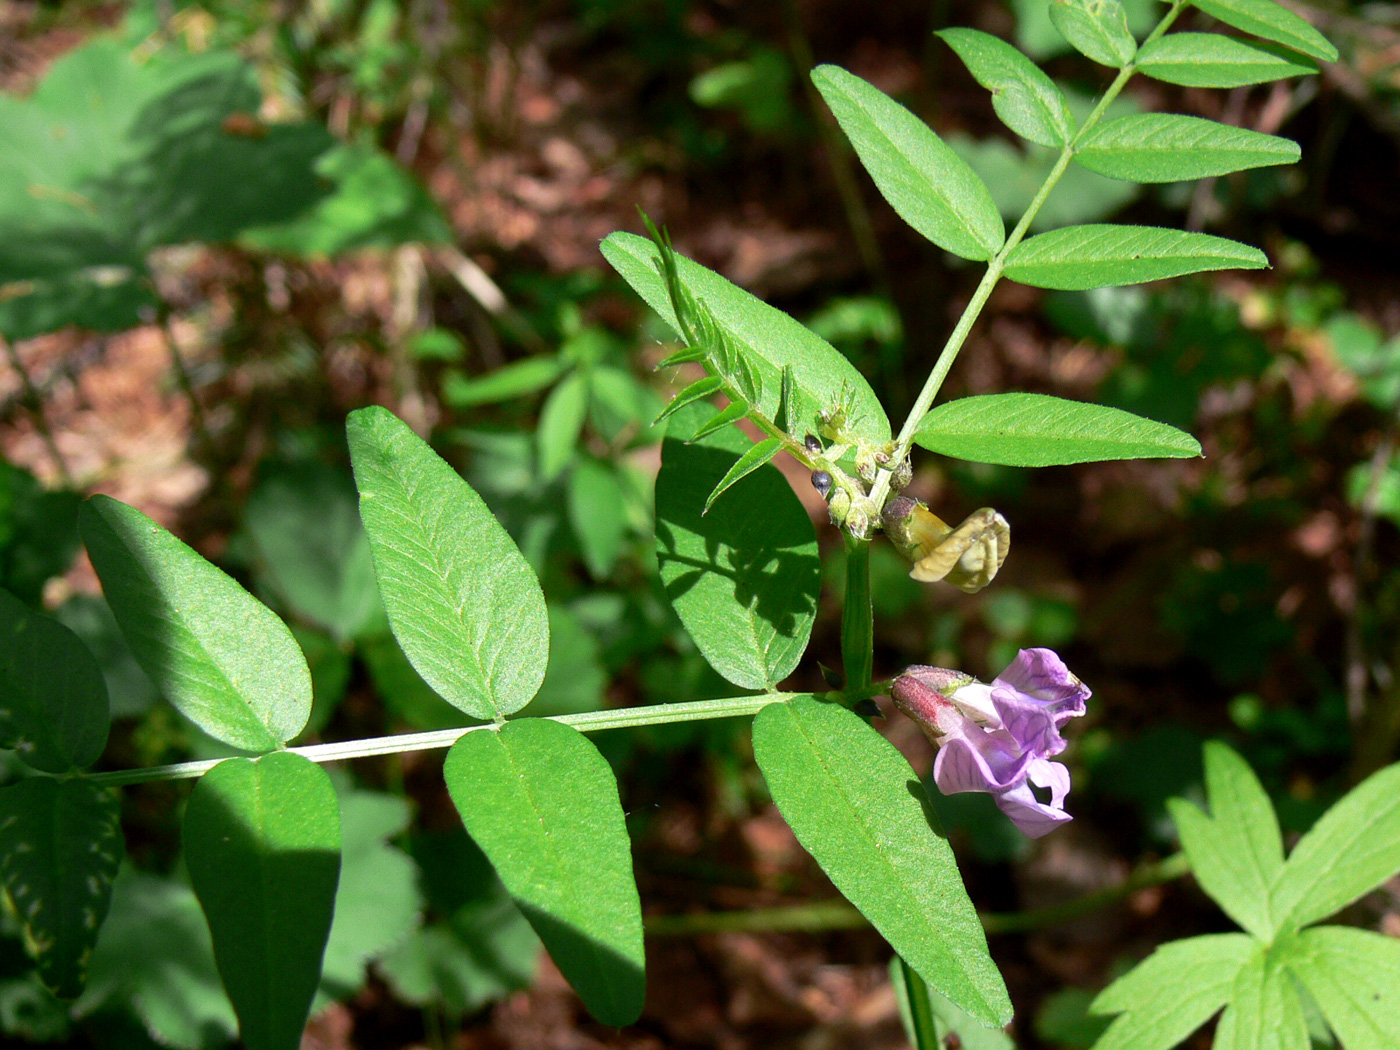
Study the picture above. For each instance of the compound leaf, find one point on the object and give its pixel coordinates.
(262, 845)
(1100, 256)
(215, 652)
(1097, 29)
(1173, 991)
(1026, 99)
(1273, 22)
(1036, 430)
(1215, 61)
(1164, 147)
(1353, 848)
(859, 809)
(1236, 853)
(744, 578)
(463, 602)
(60, 847)
(53, 698)
(1264, 1012)
(927, 184)
(767, 338)
(1354, 977)
(542, 804)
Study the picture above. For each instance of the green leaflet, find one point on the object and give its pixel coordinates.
(504, 384)
(542, 804)
(927, 184)
(1097, 29)
(1265, 1012)
(746, 464)
(1353, 848)
(561, 423)
(597, 505)
(1026, 99)
(744, 578)
(1173, 991)
(215, 652)
(1354, 977)
(53, 698)
(1161, 147)
(1100, 256)
(463, 603)
(766, 339)
(1236, 853)
(1215, 61)
(1035, 430)
(262, 845)
(1273, 22)
(859, 809)
(60, 847)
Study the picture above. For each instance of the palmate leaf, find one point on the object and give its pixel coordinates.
(60, 846)
(744, 578)
(1354, 977)
(1026, 99)
(1173, 991)
(1273, 22)
(1097, 29)
(928, 185)
(542, 804)
(1099, 256)
(1264, 1012)
(1215, 61)
(462, 600)
(53, 698)
(1162, 147)
(1236, 853)
(766, 339)
(1035, 430)
(859, 809)
(218, 654)
(262, 845)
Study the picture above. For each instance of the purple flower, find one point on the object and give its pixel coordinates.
(999, 738)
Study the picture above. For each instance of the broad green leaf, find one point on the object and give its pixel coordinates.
(542, 803)
(561, 423)
(305, 525)
(1212, 60)
(504, 384)
(1273, 22)
(1162, 147)
(60, 847)
(575, 680)
(462, 601)
(1097, 29)
(598, 514)
(927, 184)
(1237, 852)
(214, 651)
(1354, 977)
(53, 698)
(1264, 1012)
(744, 578)
(859, 809)
(1173, 991)
(767, 338)
(154, 957)
(1026, 99)
(1101, 256)
(110, 300)
(1035, 430)
(262, 845)
(745, 465)
(378, 902)
(1351, 850)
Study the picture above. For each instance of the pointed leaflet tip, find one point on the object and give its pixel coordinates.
(731, 414)
(746, 464)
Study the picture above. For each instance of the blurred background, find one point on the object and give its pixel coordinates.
(225, 225)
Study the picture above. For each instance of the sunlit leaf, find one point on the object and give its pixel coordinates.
(1273, 22)
(1100, 256)
(1097, 29)
(1027, 101)
(1162, 147)
(1212, 60)
(1354, 977)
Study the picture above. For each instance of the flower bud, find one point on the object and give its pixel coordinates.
(838, 505)
(903, 475)
(923, 693)
(865, 466)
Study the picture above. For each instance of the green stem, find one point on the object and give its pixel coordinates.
(587, 722)
(920, 1009)
(857, 623)
(997, 264)
(825, 916)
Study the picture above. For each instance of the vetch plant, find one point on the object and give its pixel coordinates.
(738, 558)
